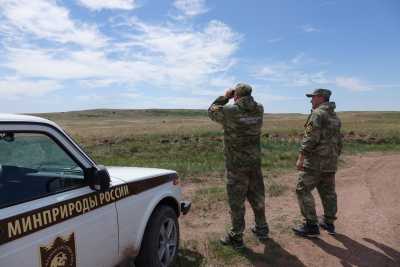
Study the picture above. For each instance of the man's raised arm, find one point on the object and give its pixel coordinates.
(215, 111)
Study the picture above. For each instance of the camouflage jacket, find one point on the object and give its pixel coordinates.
(322, 142)
(242, 123)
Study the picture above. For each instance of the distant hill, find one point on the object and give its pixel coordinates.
(138, 113)
(123, 113)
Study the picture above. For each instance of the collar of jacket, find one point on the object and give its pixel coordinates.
(330, 106)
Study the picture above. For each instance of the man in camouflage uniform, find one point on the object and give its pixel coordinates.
(242, 123)
(317, 163)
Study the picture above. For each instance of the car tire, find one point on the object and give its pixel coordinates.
(161, 239)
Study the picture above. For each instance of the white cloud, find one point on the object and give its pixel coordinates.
(353, 84)
(275, 40)
(46, 20)
(190, 8)
(182, 102)
(294, 72)
(288, 75)
(298, 58)
(97, 83)
(47, 64)
(309, 28)
(222, 83)
(14, 88)
(263, 97)
(108, 4)
(86, 65)
(183, 57)
(166, 56)
(130, 95)
(54, 47)
(93, 98)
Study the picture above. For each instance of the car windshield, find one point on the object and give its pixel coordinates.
(33, 165)
(34, 151)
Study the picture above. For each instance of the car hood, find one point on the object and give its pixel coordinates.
(131, 174)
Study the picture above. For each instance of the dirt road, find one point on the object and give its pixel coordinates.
(368, 227)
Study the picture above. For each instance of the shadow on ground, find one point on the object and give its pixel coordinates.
(274, 255)
(357, 254)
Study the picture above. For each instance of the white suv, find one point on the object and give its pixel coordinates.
(59, 208)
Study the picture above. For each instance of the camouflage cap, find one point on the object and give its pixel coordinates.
(322, 92)
(242, 89)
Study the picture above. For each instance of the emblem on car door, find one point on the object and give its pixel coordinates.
(61, 253)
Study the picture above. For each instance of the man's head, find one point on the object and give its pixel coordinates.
(319, 96)
(241, 90)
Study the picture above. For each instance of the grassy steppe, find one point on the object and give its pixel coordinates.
(187, 141)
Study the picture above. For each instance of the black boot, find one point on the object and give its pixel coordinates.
(329, 227)
(235, 242)
(307, 230)
(261, 232)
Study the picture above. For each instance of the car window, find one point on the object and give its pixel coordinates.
(32, 165)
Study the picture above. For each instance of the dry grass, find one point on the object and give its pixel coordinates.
(90, 126)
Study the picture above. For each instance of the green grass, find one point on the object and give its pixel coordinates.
(273, 254)
(274, 188)
(188, 255)
(357, 148)
(224, 254)
(278, 155)
(202, 153)
(189, 155)
(210, 194)
(190, 143)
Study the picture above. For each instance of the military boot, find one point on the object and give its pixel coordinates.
(307, 230)
(235, 241)
(329, 227)
(261, 232)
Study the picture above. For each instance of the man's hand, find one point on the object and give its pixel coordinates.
(300, 162)
(229, 93)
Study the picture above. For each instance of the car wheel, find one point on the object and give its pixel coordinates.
(161, 239)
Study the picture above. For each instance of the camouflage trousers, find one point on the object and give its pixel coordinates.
(242, 184)
(325, 184)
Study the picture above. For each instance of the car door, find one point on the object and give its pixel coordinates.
(48, 215)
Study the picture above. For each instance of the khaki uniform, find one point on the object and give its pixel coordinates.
(242, 123)
(321, 147)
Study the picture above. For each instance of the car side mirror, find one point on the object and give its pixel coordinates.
(99, 179)
(8, 137)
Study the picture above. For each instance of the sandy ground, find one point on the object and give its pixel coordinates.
(368, 228)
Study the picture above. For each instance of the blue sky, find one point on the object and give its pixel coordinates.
(85, 54)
